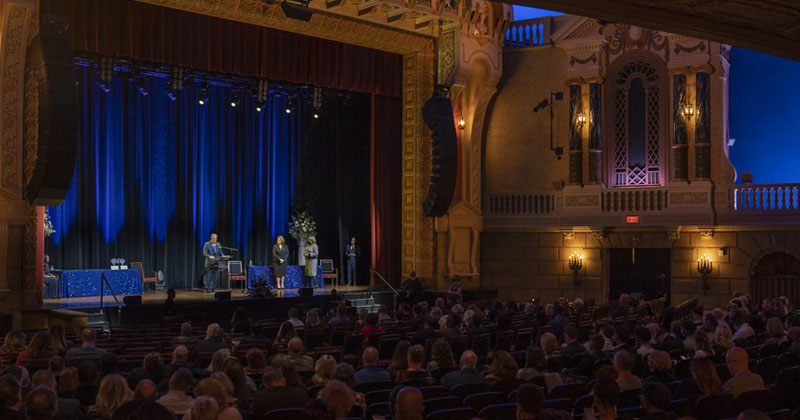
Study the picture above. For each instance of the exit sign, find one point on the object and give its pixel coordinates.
(632, 220)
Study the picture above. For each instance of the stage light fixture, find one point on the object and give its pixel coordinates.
(235, 98)
(291, 103)
(204, 95)
(260, 106)
(316, 116)
(139, 82)
(105, 72)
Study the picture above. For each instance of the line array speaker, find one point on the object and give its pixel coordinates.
(438, 116)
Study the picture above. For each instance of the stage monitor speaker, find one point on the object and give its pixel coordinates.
(50, 69)
(438, 116)
(132, 300)
(296, 11)
(305, 291)
(220, 296)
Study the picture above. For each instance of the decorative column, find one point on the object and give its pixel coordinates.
(575, 140)
(702, 137)
(595, 134)
(680, 135)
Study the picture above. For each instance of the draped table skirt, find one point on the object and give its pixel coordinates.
(293, 280)
(76, 283)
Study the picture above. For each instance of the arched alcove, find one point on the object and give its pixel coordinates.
(776, 274)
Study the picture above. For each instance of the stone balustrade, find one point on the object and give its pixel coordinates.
(529, 33)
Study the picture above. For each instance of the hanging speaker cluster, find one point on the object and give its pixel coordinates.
(438, 116)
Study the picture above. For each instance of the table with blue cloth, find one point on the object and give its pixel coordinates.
(293, 280)
(76, 283)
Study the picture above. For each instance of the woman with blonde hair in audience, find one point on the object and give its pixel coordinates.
(213, 388)
(217, 359)
(723, 339)
(549, 344)
(113, 392)
(775, 331)
(60, 342)
(323, 369)
(312, 319)
(211, 330)
(702, 343)
(503, 368)
(339, 396)
(14, 342)
(204, 408)
(227, 385)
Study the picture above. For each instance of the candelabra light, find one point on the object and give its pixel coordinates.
(575, 264)
(581, 118)
(705, 266)
(688, 111)
(461, 123)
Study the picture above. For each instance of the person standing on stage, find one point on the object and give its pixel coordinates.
(280, 254)
(213, 254)
(311, 253)
(352, 252)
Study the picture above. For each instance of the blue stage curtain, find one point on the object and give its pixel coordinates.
(155, 177)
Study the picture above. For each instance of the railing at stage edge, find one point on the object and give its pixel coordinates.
(529, 33)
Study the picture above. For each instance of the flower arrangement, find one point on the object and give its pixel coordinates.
(302, 225)
(48, 225)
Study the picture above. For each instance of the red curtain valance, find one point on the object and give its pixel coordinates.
(145, 32)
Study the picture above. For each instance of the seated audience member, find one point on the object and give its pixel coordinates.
(14, 342)
(294, 319)
(702, 344)
(185, 337)
(204, 408)
(275, 394)
(66, 406)
(56, 365)
(344, 372)
(40, 347)
(113, 392)
(86, 390)
(10, 398)
(87, 348)
(429, 332)
(660, 365)
(339, 397)
(743, 329)
(775, 332)
(655, 398)
(742, 379)
(41, 403)
(383, 313)
(559, 321)
(585, 367)
(571, 346)
(530, 402)
(323, 369)
(753, 414)
(312, 319)
(256, 361)
(623, 365)
(536, 366)
(503, 368)
(441, 356)
(317, 409)
(370, 371)
(704, 381)
(549, 344)
(154, 366)
(451, 329)
(723, 339)
(688, 328)
(643, 347)
(620, 340)
(176, 399)
(302, 362)
(217, 359)
(256, 335)
(214, 389)
(416, 358)
(399, 358)
(213, 341)
(341, 316)
(794, 335)
(408, 404)
(68, 382)
(667, 342)
(604, 405)
(285, 333)
(468, 373)
(371, 325)
(243, 385)
(144, 401)
(180, 359)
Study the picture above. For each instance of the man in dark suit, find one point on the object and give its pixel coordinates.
(66, 407)
(430, 331)
(572, 347)
(352, 252)
(86, 392)
(213, 255)
(468, 373)
(276, 394)
(87, 349)
(370, 371)
(212, 343)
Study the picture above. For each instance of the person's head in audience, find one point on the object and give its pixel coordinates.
(528, 309)
(136, 374)
(370, 356)
(705, 375)
(153, 365)
(213, 331)
(503, 367)
(286, 332)
(317, 409)
(408, 404)
(10, 392)
(436, 315)
(400, 356)
(146, 390)
(186, 329)
(214, 389)
(344, 372)
(675, 329)
(570, 334)
(623, 363)
(272, 377)
(710, 322)
(88, 336)
(40, 345)
(439, 303)
(295, 346)
(339, 396)
(341, 310)
(416, 358)
(233, 368)
(723, 336)
(87, 373)
(596, 344)
(312, 318)
(659, 361)
(56, 365)
(442, 353)
(180, 355)
(323, 369)
(530, 401)
(688, 328)
(256, 361)
(68, 379)
(739, 316)
(775, 328)
(59, 335)
(217, 358)
(44, 378)
(753, 414)
(113, 392)
(604, 404)
(371, 319)
(642, 336)
(607, 330)
(292, 313)
(654, 397)
(205, 408)
(290, 373)
(14, 342)
(41, 403)
(535, 358)
(737, 360)
(794, 335)
(181, 380)
(548, 343)
(620, 336)
(577, 305)
(703, 342)
(226, 383)
(469, 360)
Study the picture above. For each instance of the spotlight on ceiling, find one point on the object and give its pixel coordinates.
(139, 82)
(260, 106)
(235, 98)
(204, 94)
(291, 103)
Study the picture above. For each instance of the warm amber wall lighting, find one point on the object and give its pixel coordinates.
(688, 111)
(581, 118)
(461, 123)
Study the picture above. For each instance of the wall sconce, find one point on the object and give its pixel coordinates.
(705, 266)
(688, 111)
(575, 264)
(581, 120)
(461, 123)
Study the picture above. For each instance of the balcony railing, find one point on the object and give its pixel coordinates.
(522, 204)
(529, 33)
(774, 197)
(634, 199)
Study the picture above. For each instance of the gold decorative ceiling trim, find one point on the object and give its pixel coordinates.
(322, 25)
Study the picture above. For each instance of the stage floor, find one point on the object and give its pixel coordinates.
(181, 296)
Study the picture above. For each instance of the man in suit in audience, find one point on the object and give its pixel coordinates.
(295, 355)
(86, 392)
(370, 371)
(468, 374)
(276, 394)
(214, 340)
(571, 345)
(88, 348)
(741, 378)
(66, 407)
(408, 404)
(559, 322)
